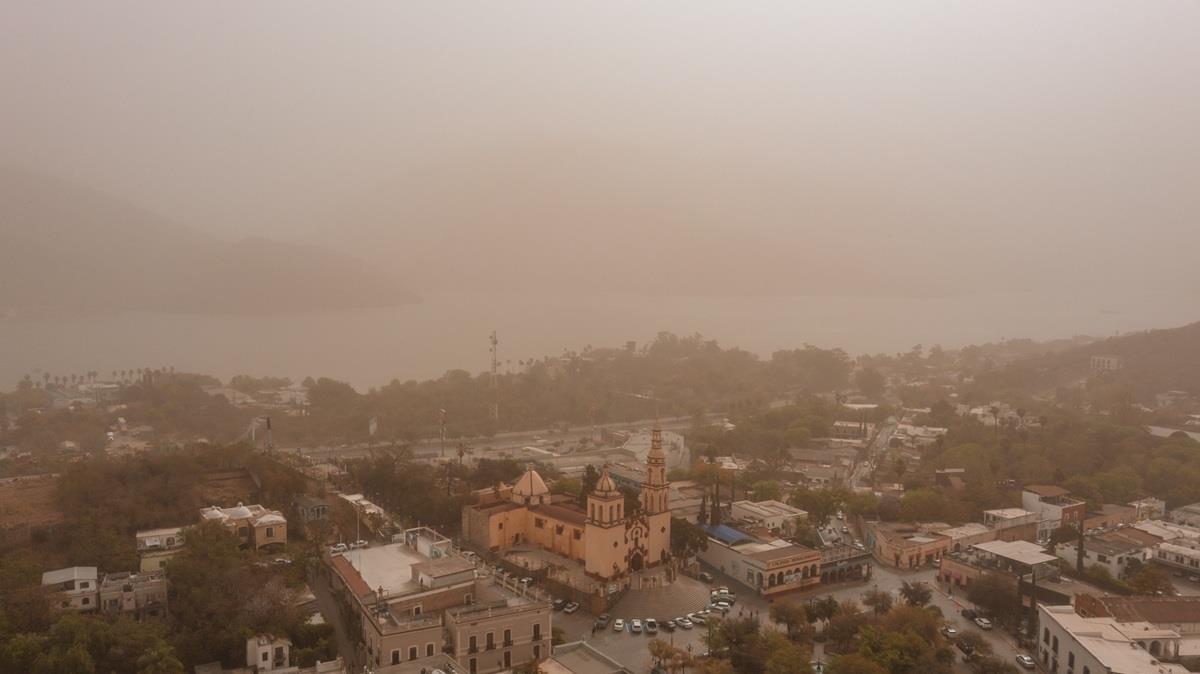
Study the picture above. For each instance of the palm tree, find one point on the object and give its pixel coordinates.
(45, 378)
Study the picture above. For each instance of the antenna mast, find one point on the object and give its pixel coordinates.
(495, 406)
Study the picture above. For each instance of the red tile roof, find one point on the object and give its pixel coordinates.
(353, 578)
(569, 514)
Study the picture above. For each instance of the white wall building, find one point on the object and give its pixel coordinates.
(76, 586)
(774, 515)
(1071, 643)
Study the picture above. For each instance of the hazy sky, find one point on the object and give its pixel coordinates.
(742, 146)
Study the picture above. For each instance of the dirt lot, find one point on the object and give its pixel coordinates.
(27, 503)
(227, 488)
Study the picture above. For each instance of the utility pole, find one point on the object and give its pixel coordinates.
(442, 423)
(1079, 549)
(495, 407)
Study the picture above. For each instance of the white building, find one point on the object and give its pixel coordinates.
(1007, 518)
(1109, 553)
(774, 515)
(1071, 643)
(76, 586)
(1182, 555)
(1149, 508)
(1188, 515)
(1054, 506)
(156, 546)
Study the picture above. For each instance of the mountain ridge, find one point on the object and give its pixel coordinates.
(71, 248)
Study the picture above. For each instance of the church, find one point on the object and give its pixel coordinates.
(610, 542)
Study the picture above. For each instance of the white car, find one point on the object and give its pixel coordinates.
(684, 623)
(1026, 661)
(635, 626)
(619, 625)
(527, 581)
(358, 544)
(338, 549)
(984, 623)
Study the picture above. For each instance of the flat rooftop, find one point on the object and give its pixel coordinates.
(386, 566)
(1017, 551)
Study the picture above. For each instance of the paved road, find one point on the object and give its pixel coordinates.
(500, 441)
(329, 611)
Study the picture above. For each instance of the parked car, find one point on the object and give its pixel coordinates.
(1194, 578)
(571, 607)
(969, 614)
(282, 561)
(706, 576)
(527, 581)
(558, 604)
(984, 623)
(358, 545)
(602, 621)
(684, 623)
(337, 549)
(720, 606)
(1026, 661)
(618, 625)
(635, 626)
(845, 530)
(697, 619)
(651, 626)
(949, 632)
(966, 648)
(669, 625)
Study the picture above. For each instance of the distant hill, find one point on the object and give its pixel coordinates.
(1154, 361)
(67, 248)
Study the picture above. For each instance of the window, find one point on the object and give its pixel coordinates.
(539, 523)
(1045, 635)
(537, 653)
(578, 534)
(558, 530)
(473, 645)
(1103, 559)
(537, 631)
(87, 601)
(1054, 646)
(266, 656)
(396, 656)
(412, 652)
(491, 641)
(429, 649)
(507, 659)
(1086, 670)
(473, 667)
(270, 532)
(1071, 660)
(508, 637)
(416, 610)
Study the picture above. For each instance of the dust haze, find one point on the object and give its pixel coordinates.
(865, 148)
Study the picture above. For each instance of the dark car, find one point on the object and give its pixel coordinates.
(602, 621)
(966, 648)
(969, 614)
(559, 604)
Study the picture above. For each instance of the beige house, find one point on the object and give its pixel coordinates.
(76, 587)
(256, 527)
(139, 595)
(156, 546)
(416, 599)
(610, 542)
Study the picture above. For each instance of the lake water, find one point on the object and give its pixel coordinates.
(446, 331)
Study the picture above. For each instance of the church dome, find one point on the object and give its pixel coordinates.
(530, 484)
(605, 484)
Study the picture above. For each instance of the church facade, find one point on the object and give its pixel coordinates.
(609, 542)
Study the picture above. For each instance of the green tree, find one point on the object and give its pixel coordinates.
(997, 595)
(765, 490)
(790, 615)
(917, 593)
(879, 601)
(687, 539)
(870, 382)
(821, 504)
(853, 663)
